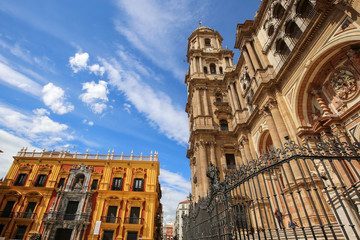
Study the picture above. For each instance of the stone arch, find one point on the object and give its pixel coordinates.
(315, 72)
(265, 142)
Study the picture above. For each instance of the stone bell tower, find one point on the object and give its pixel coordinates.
(208, 106)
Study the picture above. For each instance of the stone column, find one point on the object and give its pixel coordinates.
(193, 61)
(324, 107)
(201, 65)
(192, 168)
(197, 102)
(245, 143)
(203, 180)
(272, 128)
(239, 91)
(212, 154)
(279, 122)
(231, 100)
(248, 62)
(206, 105)
(233, 93)
(252, 55)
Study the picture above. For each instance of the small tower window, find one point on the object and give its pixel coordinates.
(224, 125)
(303, 8)
(292, 29)
(218, 98)
(270, 31)
(278, 11)
(205, 70)
(207, 42)
(221, 70)
(281, 47)
(230, 161)
(212, 68)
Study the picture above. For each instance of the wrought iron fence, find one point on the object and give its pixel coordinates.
(305, 190)
(59, 216)
(110, 219)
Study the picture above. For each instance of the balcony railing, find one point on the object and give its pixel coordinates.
(110, 219)
(134, 220)
(68, 217)
(27, 215)
(65, 154)
(6, 214)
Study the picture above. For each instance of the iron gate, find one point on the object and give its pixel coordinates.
(305, 190)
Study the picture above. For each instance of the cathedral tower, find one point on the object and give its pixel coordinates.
(208, 106)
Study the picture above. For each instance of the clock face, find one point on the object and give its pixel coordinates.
(209, 49)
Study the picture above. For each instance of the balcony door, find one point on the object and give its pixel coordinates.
(111, 215)
(63, 234)
(71, 210)
(134, 215)
(29, 210)
(7, 210)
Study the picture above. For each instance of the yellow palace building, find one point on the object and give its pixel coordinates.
(63, 195)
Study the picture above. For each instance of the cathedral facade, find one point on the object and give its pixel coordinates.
(298, 77)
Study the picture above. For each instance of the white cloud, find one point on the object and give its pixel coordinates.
(43, 124)
(127, 107)
(79, 61)
(41, 111)
(154, 28)
(17, 51)
(156, 106)
(90, 123)
(10, 145)
(18, 80)
(54, 98)
(95, 95)
(96, 69)
(175, 188)
(37, 128)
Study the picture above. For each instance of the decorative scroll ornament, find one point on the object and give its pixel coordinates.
(344, 84)
(214, 175)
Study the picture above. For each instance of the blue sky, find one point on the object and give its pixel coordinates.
(103, 75)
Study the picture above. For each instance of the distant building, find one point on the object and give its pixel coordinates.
(182, 209)
(168, 230)
(63, 195)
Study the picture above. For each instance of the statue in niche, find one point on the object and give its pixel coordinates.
(79, 183)
(245, 75)
(344, 84)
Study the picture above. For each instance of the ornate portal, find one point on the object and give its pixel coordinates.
(344, 84)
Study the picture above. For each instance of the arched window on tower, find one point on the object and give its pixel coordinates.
(221, 70)
(278, 11)
(292, 29)
(212, 68)
(282, 48)
(207, 42)
(304, 8)
(224, 125)
(205, 70)
(271, 30)
(218, 98)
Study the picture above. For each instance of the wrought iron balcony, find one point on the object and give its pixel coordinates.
(69, 217)
(26, 215)
(6, 214)
(133, 220)
(110, 219)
